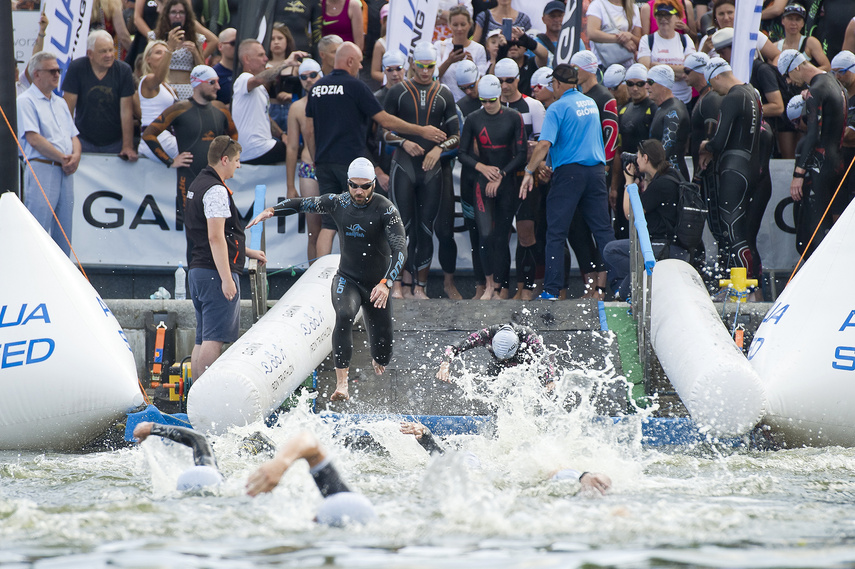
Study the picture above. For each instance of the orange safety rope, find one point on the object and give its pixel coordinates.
(30, 166)
(818, 225)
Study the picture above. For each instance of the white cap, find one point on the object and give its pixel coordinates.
(662, 74)
(494, 32)
(789, 60)
(614, 75)
(489, 87)
(845, 61)
(636, 72)
(198, 478)
(505, 343)
(585, 60)
(542, 77)
(715, 67)
(466, 72)
(506, 67)
(393, 58)
(424, 51)
(345, 508)
(361, 168)
(697, 61)
(309, 65)
(202, 74)
(722, 38)
(795, 107)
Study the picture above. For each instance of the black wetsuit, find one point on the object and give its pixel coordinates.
(417, 193)
(672, 126)
(304, 19)
(203, 455)
(194, 126)
(468, 176)
(500, 142)
(634, 121)
(373, 247)
(759, 198)
(704, 120)
(847, 153)
(825, 114)
(735, 147)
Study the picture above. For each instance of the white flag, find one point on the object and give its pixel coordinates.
(410, 22)
(68, 30)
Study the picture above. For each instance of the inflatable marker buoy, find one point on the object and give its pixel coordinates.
(67, 372)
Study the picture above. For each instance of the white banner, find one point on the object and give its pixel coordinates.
(25, 28)
(746, 30)
(67, 30)
(409, 23)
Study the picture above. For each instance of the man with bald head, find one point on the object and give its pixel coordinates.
(340, 110)
(225, 67)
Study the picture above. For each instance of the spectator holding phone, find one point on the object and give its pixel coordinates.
(455, 49)
(179, 14)
(495, 19)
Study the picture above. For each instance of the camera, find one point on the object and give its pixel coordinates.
(628, 158)
(711, 30)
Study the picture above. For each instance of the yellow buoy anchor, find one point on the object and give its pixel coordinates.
(737, 285)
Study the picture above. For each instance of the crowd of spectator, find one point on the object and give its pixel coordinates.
(655, 76)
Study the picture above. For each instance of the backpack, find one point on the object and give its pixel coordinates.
(652, 37)
(691, 215)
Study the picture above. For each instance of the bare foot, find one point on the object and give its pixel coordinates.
(518, 295)
(527, 294)
(488, 294)
(397, 290)
(378, 369)
(479, 291)
(502, 294)
(341, 393)
(419, 293)
(452, 292)
(408, 290)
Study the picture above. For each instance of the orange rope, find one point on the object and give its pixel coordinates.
(30, 166)
(818, 225)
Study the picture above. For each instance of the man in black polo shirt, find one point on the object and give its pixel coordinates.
(216, 250)
(340, 108)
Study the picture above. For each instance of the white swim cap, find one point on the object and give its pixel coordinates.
(424, 51)
(506, 67)
(722, 38)
(715, 67)
(466, 72)
(663, 75)
(393, 59)
(505, 342)
(585, 60)
(542, 77)
(345, 508)
(309, 65)
(789, 60)
(361, 168)
(198, 478)
(843, 61)
(614, 75)
(202, 74)
(636, 72)
(697, 61)
(795, 107)
(489, 87)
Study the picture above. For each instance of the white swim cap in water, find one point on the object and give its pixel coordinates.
(199, 477)
(345, 508)
(505, 342)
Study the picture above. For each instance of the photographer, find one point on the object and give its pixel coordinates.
(659, 201)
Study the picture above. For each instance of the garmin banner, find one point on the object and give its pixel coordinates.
(67, 30)
(410, 22)
(571, 30)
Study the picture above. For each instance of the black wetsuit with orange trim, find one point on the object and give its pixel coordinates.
(195, 126)
(417, 192)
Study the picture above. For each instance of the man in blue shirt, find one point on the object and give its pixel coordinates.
(572, 136)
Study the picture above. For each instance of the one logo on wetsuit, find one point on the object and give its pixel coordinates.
(320, 90)
(484, 137)
(190, 195)
(422, 98)
(398, 265)
(355, 230)
(340, 288)
(390, 211)
(210, 135)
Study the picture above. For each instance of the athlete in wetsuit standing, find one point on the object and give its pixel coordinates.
(498, 134)
(415, 183)
(735, 146)
(373, 252)
(671, 125)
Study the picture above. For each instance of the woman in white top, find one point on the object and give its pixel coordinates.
(447, 57)
(179, 14)
(154, 95)
(724, 12)
(614, 22)
(668, 48)
(793, 22)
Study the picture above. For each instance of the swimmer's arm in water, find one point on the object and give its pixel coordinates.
(314, 204)
(423, 436)
(480, 338)
(203, 455)
(304, 445)
(590, 481)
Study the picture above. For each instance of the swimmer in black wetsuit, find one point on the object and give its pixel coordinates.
(373, 252)
(498, 133)
(735, 146)
(415, 183)
(671, 124)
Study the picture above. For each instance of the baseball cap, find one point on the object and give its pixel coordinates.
(506, 67)
(309, 65)
(424, 51)
(542, 77)
(666, 9)
(489, 87)
(715, 67)
(697, 61)
(466, 72)
(384, 11)
(636, 72)
(843, 61)
(553, 6)
(661, 74)
(795, 106)
(393, 58)
(585, 60)
(722, 38)
(494, 32)
(614, 75)
(505, 343)
(565, 73)
(202, 74)
(789, 60)
(793, 8)
(361, 168)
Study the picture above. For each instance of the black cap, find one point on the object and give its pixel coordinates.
(666, 9)
(793, 8)
(565, 73)
(553, 6)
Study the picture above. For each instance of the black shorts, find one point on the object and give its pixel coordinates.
(530, 207)
(332, 179)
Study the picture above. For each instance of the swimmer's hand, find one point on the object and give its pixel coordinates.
(444, 373)
(379, 295)
(303, 445)
(594, 481)
(416, 429)
(261, 217)
(183, 160)
(142, 431)
(266, 477)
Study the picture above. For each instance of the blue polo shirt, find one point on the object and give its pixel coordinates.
(47, 116)
(572, 126)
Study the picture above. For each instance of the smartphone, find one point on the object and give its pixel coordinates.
(176, 24)
(507, 28)
(458, 47)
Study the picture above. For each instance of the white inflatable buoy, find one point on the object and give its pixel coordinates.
(66, 369)
(265, 365)
(716, 383)
(804, 351)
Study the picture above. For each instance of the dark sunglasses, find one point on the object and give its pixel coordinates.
(227, 42)
(394, 68)
(468, 87)
(507, 80)
(54, 71)
(687, 70)
(226, 149)
(492, 100)
(636, 83)
(365, 186)
(310, 75)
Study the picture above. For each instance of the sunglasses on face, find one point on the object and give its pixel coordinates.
(365, 186)
(53, 71)
(686, 70)
(394, 68)
(227, 42)
(493, 100)
(307, 76)
(507, 80)
(420, 65)
(467, 87)
(636, 83)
